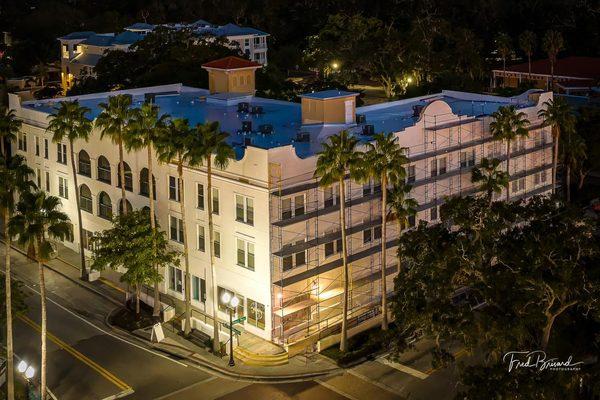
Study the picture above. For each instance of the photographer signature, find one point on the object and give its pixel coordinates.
(537, 359)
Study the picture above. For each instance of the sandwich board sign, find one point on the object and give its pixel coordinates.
(157, 333)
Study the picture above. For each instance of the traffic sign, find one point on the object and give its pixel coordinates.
(240, 319)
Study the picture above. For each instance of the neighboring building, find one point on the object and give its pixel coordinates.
(572, 75)
(277, 241)
(80, 51)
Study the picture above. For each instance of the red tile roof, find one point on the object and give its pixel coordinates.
(231, 62)
(574, 67)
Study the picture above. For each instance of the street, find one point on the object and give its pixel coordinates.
(86, 360)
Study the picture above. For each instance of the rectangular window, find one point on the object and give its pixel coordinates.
(200, 196)
(411, 173)
(471, 159)
(442, 165)
(239, 311)
(331, 194)
(296, 259)
(286, 208)
(463, 159)
(63, 187)
(433, 214)
(367, 236)
(256, 314)
(201, 239)
(244, 209)
(173, 188)
(38, 177)
(22, 141)
(47, 181)
(176, 279)
(412, 220)
(245, 254)
(215, 201)
(217, 244)
(87, 240)
(292, 206)
(46, 148)
(522, 184)
(299, 205)
(61, 153)
(433, 168)
(515, 186)
(198, 289)
(176, 230)
(37, 146)
(543, 176)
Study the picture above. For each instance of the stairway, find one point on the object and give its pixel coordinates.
(264, 360)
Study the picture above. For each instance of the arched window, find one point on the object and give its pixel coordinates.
(127, 204)
(85, 165)
(104, 206)
(85, 199)
(144, 188)
(103, 170)
(128, 177)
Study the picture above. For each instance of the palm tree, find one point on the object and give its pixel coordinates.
(38, 219)
(338, 156)
(70, 123)
(553, 43)
(145, 127)
(112, 121)
(527, 42)
(401, 208)
(181, 147)
(216, 151)
(574, 155)
(504, 47)
(383, 162)
(9, 127)
(557, 114)
(14, 175)
(41, 70)
(490, 178)
(508, 125)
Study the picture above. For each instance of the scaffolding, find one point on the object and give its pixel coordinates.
(306, 268)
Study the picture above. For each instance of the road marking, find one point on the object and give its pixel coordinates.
(92, 364)
(212, 378)
(457, 355)
(372, 381)
(102, 330)
(403, 368)
(112, 285)
(334, 389)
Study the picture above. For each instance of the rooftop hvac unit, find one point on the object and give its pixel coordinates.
(361, 118)
(243, 107)
(266, 129)
(303, 137)
(246, 126)
(256, 110)
(368, 130)
(417, 110)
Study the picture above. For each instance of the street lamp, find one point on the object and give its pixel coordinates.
(231, 302)
(27, 370)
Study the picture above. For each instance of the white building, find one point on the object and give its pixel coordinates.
(278, 235)
(80, 51)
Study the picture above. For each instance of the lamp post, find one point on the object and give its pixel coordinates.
(28, 372)
(231, 302)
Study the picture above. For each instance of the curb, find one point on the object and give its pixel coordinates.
(76, 281)
(215, 369)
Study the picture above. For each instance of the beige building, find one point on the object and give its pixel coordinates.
(278, 236)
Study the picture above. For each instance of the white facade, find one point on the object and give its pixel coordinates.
(294, 231)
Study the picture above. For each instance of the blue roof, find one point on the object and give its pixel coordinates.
(141, 26)
(127, 37)
(328, 94)
(78, 35)
(198, 106)
(235, 30)
(99, 40)
(88, 59)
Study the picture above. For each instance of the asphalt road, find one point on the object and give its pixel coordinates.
(86, 360)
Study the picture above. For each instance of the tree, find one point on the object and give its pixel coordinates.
(401, 208)
(113, 121)
(9, 127)
(490, 178)
(137, 247)
(38, 219)
(587, 126)
(553, 43)
(42, 72)
(215, 151)
(508, 125)
(504, 48)
(383, 162)
(70, 123)
(144, 129)
(338, 156)
(527, 42)
(574, 157)
(14, 175)
(181, 147)
(558, 115)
